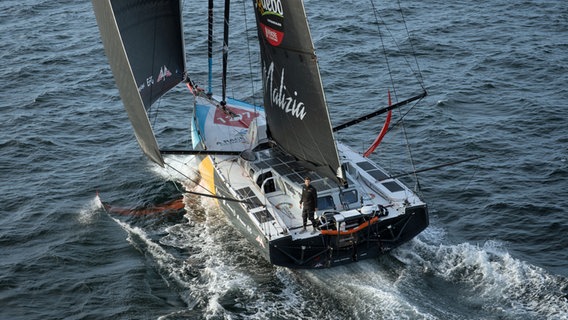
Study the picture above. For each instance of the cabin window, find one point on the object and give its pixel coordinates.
(325, 203)
(349, 196)
(269, 186)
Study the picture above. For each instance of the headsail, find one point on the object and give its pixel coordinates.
(296, 110)
(144, 44)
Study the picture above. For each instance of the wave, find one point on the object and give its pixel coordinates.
(488, 276)
(218, 275)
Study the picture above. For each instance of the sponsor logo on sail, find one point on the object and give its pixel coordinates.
(164, 73)
(280, 98)
(271, 20)
(272, 6)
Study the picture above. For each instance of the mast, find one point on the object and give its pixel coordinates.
(225, 51)
(210, 48)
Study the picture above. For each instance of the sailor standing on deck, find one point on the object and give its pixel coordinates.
(309, 200)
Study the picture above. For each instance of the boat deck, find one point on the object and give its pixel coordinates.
(277, 213)
(287, 217)
(270, 180)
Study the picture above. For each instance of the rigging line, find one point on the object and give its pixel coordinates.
(405, 135)
(384, 48)
(380, 111)
(210, 48)
(225, 51)
(184, 175)
(412, 163)
(409, 150)
(249, 56)
(251, 74)
(472, 176)
(159, 102)
(220, 198)
(228, 111)
(209, 193)
(184, 163)
(435, 167)
(421, 79)
(154, 112)
(201, 152)
(398, 122)
(397, 44)
(195, 182)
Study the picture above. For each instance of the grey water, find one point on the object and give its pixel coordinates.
(496, 73)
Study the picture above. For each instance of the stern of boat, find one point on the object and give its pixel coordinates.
(326, 248)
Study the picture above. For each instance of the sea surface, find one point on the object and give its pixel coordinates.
(496, 72)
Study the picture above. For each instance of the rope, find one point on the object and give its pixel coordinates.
(249, 56)
(375, 13)
(472, 176)
(208, 193)
(412, 67)
(418, 75)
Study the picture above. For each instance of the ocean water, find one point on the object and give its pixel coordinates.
(496, 72)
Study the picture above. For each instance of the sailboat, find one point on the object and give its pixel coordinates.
(254, 160)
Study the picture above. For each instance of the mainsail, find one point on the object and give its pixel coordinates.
(296, 110)
(144, 44)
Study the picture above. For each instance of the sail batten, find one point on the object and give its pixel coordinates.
(127, 27)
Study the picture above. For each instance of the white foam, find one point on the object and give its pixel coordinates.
(177, 168)
(216, 275)
(90, 211)
(219, 275)
(366, 291)
(161, 257)
(502, 282)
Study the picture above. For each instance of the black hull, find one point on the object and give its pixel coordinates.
(326, 251)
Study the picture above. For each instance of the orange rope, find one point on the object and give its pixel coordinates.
(350, 231)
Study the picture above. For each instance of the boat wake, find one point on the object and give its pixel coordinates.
(427, 279)
(213, 268)
(219, 275)
(482, 276)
